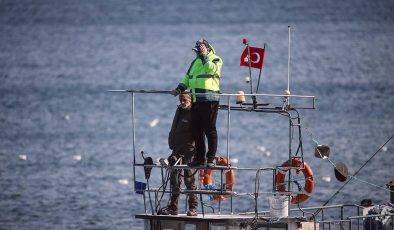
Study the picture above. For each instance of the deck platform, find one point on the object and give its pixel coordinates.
(222, 221)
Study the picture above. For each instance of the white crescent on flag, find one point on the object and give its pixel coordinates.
(257, 57)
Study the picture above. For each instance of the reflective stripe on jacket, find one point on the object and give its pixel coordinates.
(203, 76)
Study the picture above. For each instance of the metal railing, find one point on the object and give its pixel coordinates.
(283, 108)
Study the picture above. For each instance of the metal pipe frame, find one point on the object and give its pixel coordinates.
(287, 111)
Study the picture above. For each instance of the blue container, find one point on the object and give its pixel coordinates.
(139, 187)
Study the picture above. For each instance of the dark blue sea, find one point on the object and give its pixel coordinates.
(66, 143)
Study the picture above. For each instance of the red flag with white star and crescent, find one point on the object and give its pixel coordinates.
(256, 57)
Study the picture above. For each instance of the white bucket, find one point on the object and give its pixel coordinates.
(279, 206)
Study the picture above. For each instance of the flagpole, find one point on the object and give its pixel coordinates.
(258, 83)
(250, 69)
(250, 77)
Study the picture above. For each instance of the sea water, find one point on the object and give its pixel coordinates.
(66, 143)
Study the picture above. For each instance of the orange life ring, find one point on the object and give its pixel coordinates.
(206, 178)
(308, 174)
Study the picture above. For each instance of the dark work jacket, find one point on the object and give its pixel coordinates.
(180, 133)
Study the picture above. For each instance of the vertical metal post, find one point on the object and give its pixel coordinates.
(219, 205)
(313, 103)
(143, 193)
(228, 131)
(228, 147)
(273, 180)
(290, 163)
(231, 205)
(133, 128)
(162, 175)
(288, 64)
(358, 219)
(342, 207)
(202, 205)
(221, 189)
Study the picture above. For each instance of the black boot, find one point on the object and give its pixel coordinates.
(211, 162)
(167, 211)
(197, 162)
(192, 212)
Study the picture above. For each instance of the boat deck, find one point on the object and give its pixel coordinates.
(217, 218)
(214, 221)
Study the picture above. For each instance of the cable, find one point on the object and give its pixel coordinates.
(337, 192)
(185, 176)
(254, 222)
(332, 163)
(373, 185)
(164, 186)
(209, 206)
(150, 198)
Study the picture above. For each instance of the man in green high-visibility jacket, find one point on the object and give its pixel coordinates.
(202, 79)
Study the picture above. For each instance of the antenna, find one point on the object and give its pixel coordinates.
(288, 63)
(286, 100)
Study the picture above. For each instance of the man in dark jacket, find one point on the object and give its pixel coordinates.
(180, 141)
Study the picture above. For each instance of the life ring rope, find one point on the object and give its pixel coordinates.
(301, 166)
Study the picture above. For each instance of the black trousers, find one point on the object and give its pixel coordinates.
(203, 121)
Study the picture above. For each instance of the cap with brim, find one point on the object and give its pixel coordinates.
(201, 41)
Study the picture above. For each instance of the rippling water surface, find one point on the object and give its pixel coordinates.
(66, 144)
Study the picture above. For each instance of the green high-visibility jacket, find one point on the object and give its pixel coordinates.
(203, 76)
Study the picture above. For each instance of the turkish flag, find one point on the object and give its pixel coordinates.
(256, 57)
